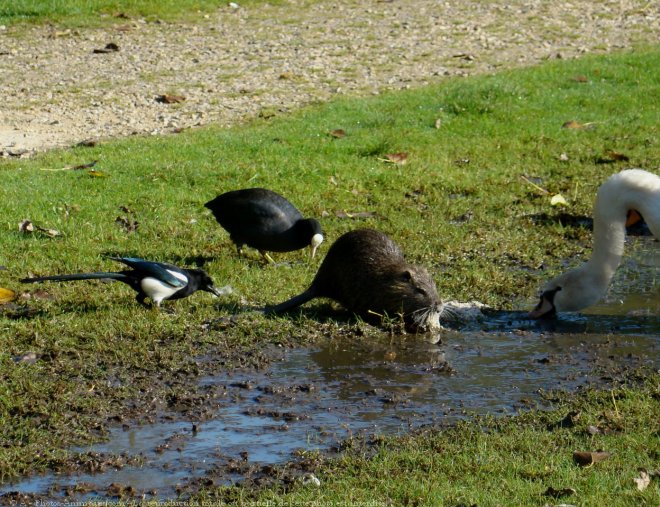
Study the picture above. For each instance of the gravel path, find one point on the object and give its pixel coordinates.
(241, 62)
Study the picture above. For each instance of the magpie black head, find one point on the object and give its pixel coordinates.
(200, 280)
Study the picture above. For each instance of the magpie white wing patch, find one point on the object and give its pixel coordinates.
(179, 276)
(157, 290)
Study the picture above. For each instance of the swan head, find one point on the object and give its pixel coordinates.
(570, 292)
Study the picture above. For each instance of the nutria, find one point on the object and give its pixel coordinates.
(365, 271)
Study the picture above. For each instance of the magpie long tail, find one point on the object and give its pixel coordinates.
(76, 276)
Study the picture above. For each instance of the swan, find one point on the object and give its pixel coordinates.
(627, 191)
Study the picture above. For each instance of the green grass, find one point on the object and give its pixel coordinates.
(79, 13)
(491, 461)
(98, 350)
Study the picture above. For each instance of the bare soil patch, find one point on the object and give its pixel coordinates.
(62, 87)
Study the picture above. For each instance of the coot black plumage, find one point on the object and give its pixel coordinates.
(155, 280)
(263, 219)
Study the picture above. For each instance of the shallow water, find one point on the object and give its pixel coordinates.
(314, 398)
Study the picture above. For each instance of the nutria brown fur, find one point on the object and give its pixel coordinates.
(366, 272)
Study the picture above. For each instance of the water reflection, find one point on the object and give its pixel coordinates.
(313, 398)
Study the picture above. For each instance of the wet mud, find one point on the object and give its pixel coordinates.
(259, 421)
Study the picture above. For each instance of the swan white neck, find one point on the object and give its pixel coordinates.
(630, 189)
(609, 233)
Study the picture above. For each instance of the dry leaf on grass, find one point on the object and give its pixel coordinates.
(29, 358)
(572, 124)
(558, 200)
(337, 133)
(27, 227)
(642, 482)
(6, 295)
(619, 157)
(611, 157)
(85, 166)
(109, 48)
(585, 459)
(128, 224)
(399, 158)
(170, 99)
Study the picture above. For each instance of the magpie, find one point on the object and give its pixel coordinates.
(155, 280)
(263, 219)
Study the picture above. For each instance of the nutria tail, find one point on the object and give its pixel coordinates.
(291, 303)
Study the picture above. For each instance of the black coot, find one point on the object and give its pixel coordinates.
(265, 220)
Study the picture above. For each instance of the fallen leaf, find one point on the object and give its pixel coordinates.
(109, 48)
(593, 430)
(563, 157)
(572, 124)
(85, 166)
(619, 157)
(390, 355)
(29, 358)
(558, 493)
(311, 480)
(87, 143)
(338, 133)
(26, 226)
(6, 295)
(170, 99)
(558, 200)
(400, 158)
(643, 480)
(49, 232)
(585, 459)
(580, 79)
(438, 123)
(97, 174)
(464, 56)
(129, 225)
(359, 214)
(37, 294)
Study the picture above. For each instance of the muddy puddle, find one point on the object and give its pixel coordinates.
(312, 399)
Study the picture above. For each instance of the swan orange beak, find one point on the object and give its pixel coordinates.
(633, 217)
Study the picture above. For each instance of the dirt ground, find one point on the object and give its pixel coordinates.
(61, 87)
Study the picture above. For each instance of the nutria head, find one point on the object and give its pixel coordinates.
(412, 294)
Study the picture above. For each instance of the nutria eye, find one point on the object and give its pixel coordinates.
(421, 291)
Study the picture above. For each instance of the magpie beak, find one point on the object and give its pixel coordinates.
(155, 280)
